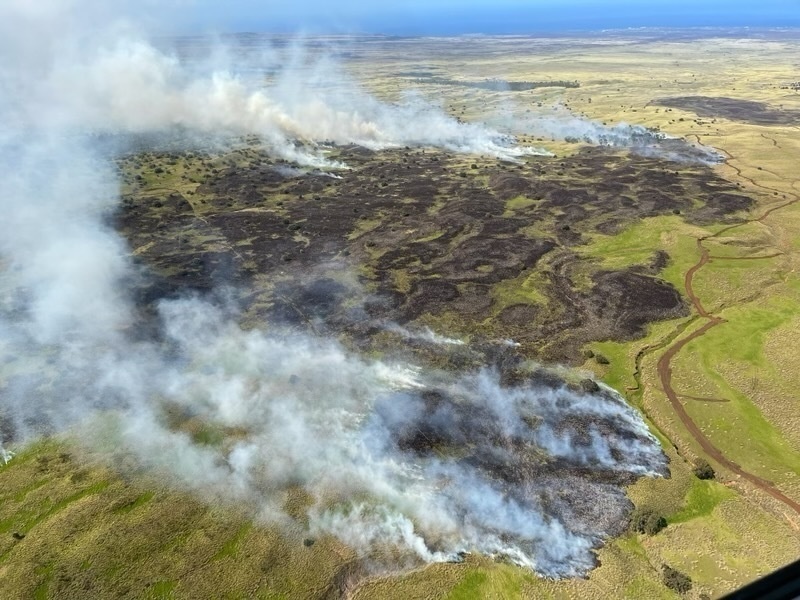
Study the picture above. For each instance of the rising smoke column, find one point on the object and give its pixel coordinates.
(123, 84)
(306, 412)
(562, 124)
(440, 464)
(559, 123)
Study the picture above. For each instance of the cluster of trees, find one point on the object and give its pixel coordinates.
(648, 521)
(703, 470)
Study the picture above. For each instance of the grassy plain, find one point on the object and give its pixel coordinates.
(70, 528)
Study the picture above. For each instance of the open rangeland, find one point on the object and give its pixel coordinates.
(671, 279)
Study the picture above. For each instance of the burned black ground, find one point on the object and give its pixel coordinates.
(432, 238)
(735, 109)
(495, 85)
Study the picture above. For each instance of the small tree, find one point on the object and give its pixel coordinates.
(647, 521)
(703, 470)
(676, 581)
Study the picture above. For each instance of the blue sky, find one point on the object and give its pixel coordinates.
(489, 16)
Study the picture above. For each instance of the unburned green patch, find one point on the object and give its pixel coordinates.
(161, 590)
(702, 498)
(518, 203)
(637, 244)
(470, 587)
(646, 587)
(528, 288)
(736, 425)
(231, 547)
(489, 581)
(137, 502)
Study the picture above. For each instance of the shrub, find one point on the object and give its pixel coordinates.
(646, 520)
(676, 581)
(703, 470)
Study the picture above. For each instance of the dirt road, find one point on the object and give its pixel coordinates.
(664, 367)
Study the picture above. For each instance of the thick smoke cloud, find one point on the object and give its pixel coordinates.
(282, 410)
(308, 414)
(120, 83)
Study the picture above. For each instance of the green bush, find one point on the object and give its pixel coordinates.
(602, 360)
(676, 581)
(703, 470)
(645, 520)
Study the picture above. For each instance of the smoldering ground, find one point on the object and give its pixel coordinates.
(439, 463)
(559, 123)
(392, 455)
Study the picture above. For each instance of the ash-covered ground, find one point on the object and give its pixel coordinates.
(413, 235)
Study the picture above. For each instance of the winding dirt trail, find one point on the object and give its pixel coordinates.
(700, 399)
(775, 255)
(664, 364)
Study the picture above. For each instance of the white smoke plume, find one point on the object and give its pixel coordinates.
(426, 334)
(309, 414)
(127, 85)
(290, 410)
(560, 124)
